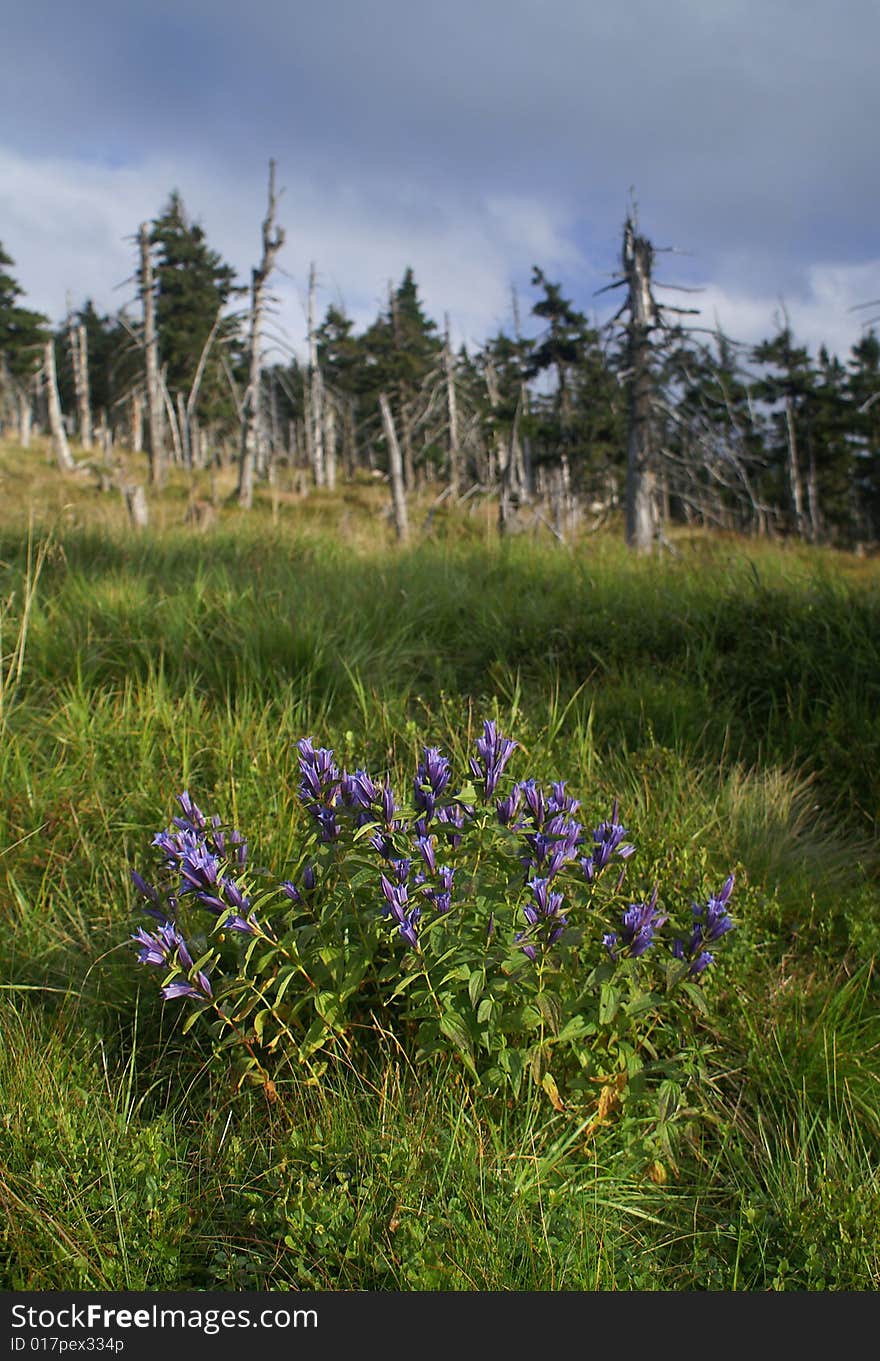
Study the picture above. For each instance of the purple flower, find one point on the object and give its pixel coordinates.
(508, 807)
(528, 950)
(147, 890)
(608, 838)
(320, 786)
(407, 927)
(548, 903)
(295, 894)
(493, 753)
(199, 988)
(452, 819)
(396, 898)
(388, 805)
(397, 905)
(359, 790)
(533, 794)
(193, 818)
(560, 802)
(543, 916)
(401, 869)
(441, 897)
(248, 926)
(640, 922)
(710, 924)
(432, 777)
(158, 949)
(425, 846)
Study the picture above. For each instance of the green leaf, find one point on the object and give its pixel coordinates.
(668, 1101)
(510, 1061)
(476, 984)
(485, 1009)
(609, 1001)
(284, 980)
(551, 1009)
(461, 973)
(327, 1007)
(548, 1082)
(404, 984)
(697, 996)
(643, 1001)
(574, 1028)
(456, 1029)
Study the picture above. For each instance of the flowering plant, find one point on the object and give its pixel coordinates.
(481, 915)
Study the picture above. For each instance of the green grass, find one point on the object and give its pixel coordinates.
(728, 695)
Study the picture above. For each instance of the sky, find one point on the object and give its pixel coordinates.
(470, 140)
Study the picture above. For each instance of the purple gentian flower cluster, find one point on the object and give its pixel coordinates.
(493, 753)
(319, 786)
(397, 904)
(544, 917)
(165, 948)
(300, 895)
(200, 851)
(640, 922)
(711, 922)
(432, 777)
(551, 833)
(608, 843)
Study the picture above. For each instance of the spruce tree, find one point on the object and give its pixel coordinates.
(579, 422)
(23, 334)
(401, 351)
(193, 286)
(863, 401)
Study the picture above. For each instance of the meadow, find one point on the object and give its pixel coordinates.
(727, 693)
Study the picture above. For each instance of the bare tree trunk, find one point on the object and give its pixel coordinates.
(25, 416)
(137, 423)
(395, 467)
(183, 428)
(316, 393)
(349, 443)
(409, 467)
(813, 497)
(172, 421)
(641, 476)
(79, 358)
(155, 401)
(187, 415)
(795, 485)
(136, 505)
(251, 428)
(403, 404)
(56, 423)
(329, 442)
(454, 469)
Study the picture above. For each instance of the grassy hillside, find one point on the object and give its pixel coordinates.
(727, 693)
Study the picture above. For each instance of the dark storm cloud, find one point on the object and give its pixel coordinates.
(747, 127)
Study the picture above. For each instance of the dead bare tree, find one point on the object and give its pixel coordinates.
(329, 425)
(56, 421)
(454, 465)
(251, 421)
(155, 398)
(315, 391)
(641, 470)
(77, 342)
(395, 468)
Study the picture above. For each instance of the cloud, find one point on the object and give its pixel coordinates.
(69, 224)
(820, 313)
